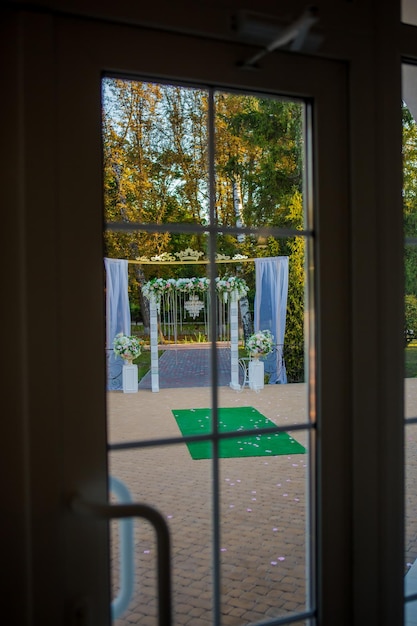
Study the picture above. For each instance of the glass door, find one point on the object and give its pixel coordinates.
(225, 216)
(237, 501)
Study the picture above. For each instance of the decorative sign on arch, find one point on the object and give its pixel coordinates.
(188, 256)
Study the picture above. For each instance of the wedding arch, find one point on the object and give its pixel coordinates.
(173, 299)
(169, 295)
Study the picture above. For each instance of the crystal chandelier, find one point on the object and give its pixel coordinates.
(194, 306)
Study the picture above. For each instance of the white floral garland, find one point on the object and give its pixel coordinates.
(224, 286)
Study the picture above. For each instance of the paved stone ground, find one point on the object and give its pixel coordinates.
(263, 549)
(189, 367)
(262, 510)
(410, 474)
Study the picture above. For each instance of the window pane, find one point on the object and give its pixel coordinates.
(409, 12)
(167, 479)
(410, 332)
(259, 163)
(410, 565)
(264, 503)
(155, 154)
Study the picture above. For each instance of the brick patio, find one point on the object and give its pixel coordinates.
(263, 548)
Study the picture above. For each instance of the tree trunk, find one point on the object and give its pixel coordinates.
(144, 302)
(246, 318)
(237, 204)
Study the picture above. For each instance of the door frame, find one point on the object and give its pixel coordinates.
(358, 517)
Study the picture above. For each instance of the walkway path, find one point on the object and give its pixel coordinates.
(189, 367)
(262, 509)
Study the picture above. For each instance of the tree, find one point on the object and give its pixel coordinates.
(410, 321)
(259, 150)
(410, 198)
(154, 167)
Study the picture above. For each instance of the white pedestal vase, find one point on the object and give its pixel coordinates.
(256, 374)
(130, 378)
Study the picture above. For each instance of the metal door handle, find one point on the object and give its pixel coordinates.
(121, 511)
(127, 561)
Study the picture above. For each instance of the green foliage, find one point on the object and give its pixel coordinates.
(410, 199)
(294, 248)
(260, 149)
(143, 361)
(410, 318)
(411, 361)
(155, 164)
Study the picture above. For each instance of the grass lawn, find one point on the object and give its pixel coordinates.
(144, 362)
(411, 360)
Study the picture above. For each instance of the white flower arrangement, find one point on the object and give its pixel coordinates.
(128, 347)
(260, 343)
(231, 284)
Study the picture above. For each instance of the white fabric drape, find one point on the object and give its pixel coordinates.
(271, 310)
(117, 316)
